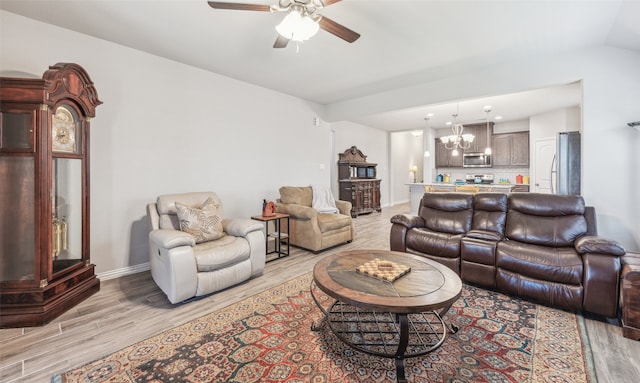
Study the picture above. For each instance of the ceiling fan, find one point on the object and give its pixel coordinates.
(301, 21)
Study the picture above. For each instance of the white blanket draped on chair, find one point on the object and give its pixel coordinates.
(323, 201)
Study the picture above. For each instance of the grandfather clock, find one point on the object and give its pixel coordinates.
(45, 267)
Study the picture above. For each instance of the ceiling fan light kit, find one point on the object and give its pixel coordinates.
(296, 27)
(301, 22)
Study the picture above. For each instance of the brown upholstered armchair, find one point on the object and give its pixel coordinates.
(310, 229)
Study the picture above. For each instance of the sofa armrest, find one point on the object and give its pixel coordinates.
(485, 235)
(407, 220)
(168, 239)
(598, 245)
(298, 211)
(153, 216)
(240, 227)
(344, 207)
(173, 264)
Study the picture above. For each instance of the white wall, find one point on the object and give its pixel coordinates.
(373, 143)
(165, 127)
(511, 126)
(552, 123)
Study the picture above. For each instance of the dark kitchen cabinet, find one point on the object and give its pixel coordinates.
(511, 149)
(480, 133)
(445, 157)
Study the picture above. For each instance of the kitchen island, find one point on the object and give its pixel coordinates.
(416, 190)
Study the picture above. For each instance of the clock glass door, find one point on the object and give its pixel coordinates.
(18, 190)
(66, 216)
(66, 225)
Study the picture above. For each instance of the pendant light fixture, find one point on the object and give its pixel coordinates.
(487, 150)
(426, 119)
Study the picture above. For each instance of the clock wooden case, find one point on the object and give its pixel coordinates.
(45, 267)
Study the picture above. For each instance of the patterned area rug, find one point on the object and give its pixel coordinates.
(268, 338)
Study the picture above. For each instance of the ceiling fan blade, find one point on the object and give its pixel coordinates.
(281, 42)
(337, 29)
(239, 6)
(329, 2)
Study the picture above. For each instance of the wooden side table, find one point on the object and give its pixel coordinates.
(630, 296)
(277, 234)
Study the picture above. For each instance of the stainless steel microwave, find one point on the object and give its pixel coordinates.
(476, 160)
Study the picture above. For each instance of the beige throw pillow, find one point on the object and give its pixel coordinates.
(204, 223)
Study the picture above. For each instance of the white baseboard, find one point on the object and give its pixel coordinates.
(124, 271)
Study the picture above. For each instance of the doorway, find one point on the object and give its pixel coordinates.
(545, 150)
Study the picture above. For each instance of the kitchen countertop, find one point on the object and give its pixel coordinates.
(452, 184)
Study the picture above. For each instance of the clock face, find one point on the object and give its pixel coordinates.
(64, 131)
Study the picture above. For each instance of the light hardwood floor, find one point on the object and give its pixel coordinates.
(132, 308)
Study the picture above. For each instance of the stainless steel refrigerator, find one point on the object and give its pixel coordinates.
(565, 167)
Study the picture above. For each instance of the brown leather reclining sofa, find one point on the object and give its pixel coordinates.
(541, 247)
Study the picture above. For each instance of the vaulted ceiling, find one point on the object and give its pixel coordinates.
(402, 42)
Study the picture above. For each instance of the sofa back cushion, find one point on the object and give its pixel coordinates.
(447, 212)
(489, 212)
(297, 195)
(545, 219)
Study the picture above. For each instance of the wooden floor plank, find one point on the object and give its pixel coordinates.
(132, 308)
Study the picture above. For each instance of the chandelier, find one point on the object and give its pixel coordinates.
(457, 140)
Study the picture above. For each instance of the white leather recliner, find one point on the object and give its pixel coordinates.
(185, 265)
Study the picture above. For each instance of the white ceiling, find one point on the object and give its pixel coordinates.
(403, 42)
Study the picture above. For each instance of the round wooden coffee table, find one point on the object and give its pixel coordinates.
(394, 319)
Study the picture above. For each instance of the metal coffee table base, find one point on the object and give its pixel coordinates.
(387, 335)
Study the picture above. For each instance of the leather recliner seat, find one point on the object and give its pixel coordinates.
(184, 267)
(443, 220)
(538, 246)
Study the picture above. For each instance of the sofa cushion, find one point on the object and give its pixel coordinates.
(546, 231)
(328, 222)
(550, 205)
(555, 294)
(447, 212)
(553, 264)
(489, 212)
(222, 253)
(434, 243)
(203, 223)
(297, 195)
(546, 219)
